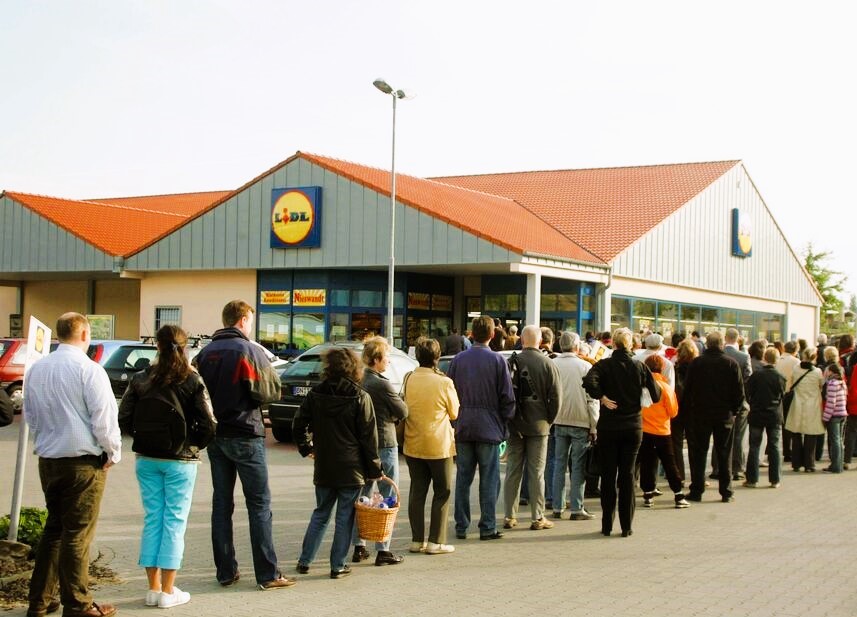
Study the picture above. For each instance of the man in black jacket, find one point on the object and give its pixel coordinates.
(714, 393)
(765, 390)
(240, 379)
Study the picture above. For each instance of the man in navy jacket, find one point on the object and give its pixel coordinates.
(484, 386)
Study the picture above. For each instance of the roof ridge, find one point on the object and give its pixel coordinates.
(420, 178)
(541, 171)
(97, 199)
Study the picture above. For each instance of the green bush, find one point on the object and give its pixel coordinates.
(30, 527)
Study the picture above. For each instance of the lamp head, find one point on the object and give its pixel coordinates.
(383, 86)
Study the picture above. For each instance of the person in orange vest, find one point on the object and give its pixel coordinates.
(657, 443)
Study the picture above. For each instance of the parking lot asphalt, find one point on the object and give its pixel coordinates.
(785, 552)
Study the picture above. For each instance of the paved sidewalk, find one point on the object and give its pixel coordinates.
(784, 552)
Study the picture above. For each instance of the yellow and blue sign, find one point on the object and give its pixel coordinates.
(296, 217)
(742, 234)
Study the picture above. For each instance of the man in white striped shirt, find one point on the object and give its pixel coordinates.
(70, 408)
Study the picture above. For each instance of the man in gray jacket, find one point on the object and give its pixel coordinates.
(574, 427)
(538, 400)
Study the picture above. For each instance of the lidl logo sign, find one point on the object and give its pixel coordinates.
(742, 233)
(296, 217)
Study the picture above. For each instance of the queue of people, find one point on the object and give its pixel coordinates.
(550, 400)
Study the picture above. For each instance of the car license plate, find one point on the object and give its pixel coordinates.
(301, 390)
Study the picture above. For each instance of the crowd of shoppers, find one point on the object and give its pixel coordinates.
(551, 403)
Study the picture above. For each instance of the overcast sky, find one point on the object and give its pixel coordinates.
(120, 98)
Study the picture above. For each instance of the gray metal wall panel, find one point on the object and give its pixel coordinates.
(692, 247)
(32, 243)
(355, 232)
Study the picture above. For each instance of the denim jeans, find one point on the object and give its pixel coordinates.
(390, 465)
(850, 438)
(245, 458)
(166, 490)
(486, 456)
(774, 459)
(834, 442)
(325, 499)
(571, 443)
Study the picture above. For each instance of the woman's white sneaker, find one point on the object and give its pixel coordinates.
(439, 549)
(176, 598)
(152, 597)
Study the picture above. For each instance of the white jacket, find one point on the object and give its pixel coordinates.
(577, 408)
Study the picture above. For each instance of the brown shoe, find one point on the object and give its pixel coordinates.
(278, 583)
(542, 523)
(96, 610)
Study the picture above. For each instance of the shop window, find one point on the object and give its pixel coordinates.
(667, 320)
(548, 303)
(501, 303)
(273, 331)
(710, 319)
(339, 327)
(770, 327)
(586, 325)
(620, 312)
(728, 318)
(588, 302)
(368, 298)
(307, 330)
(690, 319)
(339, 297)
(746, 324)
(167, 316)
(644, 315)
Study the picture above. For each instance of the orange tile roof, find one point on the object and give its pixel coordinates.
(604, 210)
(188, 204)
(500, 220)
(118, 226)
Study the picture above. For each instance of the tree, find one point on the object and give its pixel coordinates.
(830, 283)
(852, 306)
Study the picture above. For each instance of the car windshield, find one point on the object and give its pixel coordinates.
(130, 358)
(305, 366)
(4, 345)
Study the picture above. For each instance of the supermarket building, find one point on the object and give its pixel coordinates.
(668, 247)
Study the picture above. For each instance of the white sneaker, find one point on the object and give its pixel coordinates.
(439, 549)
(176, 598)
(418, 547)
(152, 598)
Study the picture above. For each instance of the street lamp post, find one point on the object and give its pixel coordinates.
(386, 88)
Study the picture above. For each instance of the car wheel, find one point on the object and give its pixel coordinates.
(281, 433)
(16, 393)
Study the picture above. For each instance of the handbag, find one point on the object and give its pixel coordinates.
(789, 397)
(591, 466)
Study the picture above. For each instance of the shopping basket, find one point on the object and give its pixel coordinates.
(376, 524)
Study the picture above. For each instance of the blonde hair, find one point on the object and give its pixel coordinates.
(374, 350)
(623, 338)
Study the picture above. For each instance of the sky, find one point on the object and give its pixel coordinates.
(119, 97)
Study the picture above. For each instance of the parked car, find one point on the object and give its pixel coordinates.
(101, 350)
(127, 360)
(13, 354)
(444, 361)
(304, 372)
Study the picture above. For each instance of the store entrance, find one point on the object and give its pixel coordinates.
(364, 325)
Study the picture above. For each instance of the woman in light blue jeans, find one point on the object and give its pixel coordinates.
(167, 410)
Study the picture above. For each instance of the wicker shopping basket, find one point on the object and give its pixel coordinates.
(376, 524)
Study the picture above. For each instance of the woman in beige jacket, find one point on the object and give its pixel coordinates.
(429, 447)
(804, 416)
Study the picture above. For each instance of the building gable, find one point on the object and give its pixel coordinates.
(692, 247)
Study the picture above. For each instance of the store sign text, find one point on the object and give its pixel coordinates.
(296, 217)
(310, 297)
(275, 297)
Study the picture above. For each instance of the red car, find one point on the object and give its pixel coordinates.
(13, 354)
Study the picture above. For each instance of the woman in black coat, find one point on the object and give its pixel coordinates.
(618, 382)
